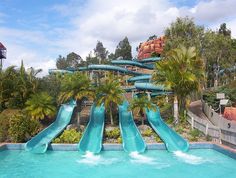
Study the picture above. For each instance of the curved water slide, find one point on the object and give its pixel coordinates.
(113, 68)
(149, 86)
(132, 63)
(142, 78)
(172, 140)
(39, 143)
(52, 71)
(131, 137)
(151, 59)
(91, 140)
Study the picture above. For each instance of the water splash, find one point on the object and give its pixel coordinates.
(138, 158)
(91, 159)
(188, 158)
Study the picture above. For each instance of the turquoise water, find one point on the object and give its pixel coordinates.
(199, 163)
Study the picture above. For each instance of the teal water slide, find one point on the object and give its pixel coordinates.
(142, 78)
(132, 63)
(39, 143)
(91, 140)
(131, 137)
(172, 140)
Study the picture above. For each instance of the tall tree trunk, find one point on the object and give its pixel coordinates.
(143, 116)
(176, 112)
(111, 116)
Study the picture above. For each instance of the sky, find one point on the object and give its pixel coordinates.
(38, 31)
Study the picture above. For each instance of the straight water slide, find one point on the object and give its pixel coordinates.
(91, 140)
(39, 143)
(172, 140)
(131, 137)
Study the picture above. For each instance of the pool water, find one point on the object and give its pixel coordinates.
(197, 163)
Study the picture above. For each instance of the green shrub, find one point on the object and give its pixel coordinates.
(22, 128)
(4, 122)
(114, 133)
(119, 140)
(194, 134)
(147, 133)
(157, 138)
(68, 136)
(208, 138)
(179, 129)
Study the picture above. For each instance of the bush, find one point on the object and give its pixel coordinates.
(147, 133)
(194, 134)
(68, 136)
(119, 140)
(179, 129)
(22, 128)
(114, 133)
(4, 122)
(157, 138)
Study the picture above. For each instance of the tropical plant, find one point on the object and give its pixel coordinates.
(4, 123)
(110, 93)
(40, 106)
(139, 104)
(76, 86)
(68, 136)
(16, 86)
(113, 133)
(22, 127)
(182, 71)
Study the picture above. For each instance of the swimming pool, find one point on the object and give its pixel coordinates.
(196, 163)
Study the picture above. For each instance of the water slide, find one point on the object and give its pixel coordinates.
(172, 140)
(149, 86)
(39, 143)
(132, 63)
(51, 71)
(131, 137)
(151, 59)
(142, 78)
(91, 140)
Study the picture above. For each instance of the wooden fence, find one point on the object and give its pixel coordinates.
(219, 128)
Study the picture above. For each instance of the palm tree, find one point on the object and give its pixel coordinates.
(110, 93)
(75, 86)
(139, 104)
(40, 106)
(182, 71)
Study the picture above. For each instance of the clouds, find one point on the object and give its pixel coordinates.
(76, 25)
(111, 21)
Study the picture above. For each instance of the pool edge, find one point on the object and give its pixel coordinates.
(118, 147)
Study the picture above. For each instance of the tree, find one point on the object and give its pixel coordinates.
(72, 60)
(184, 32)
(224, 31)
(110, 93)
(139, 104)
(182, 71)
(40, 106)
(75, 86)
(61, 63)
(124, 49)
(153, 37)
(16, 86)
(101, 52)
(217, 55)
